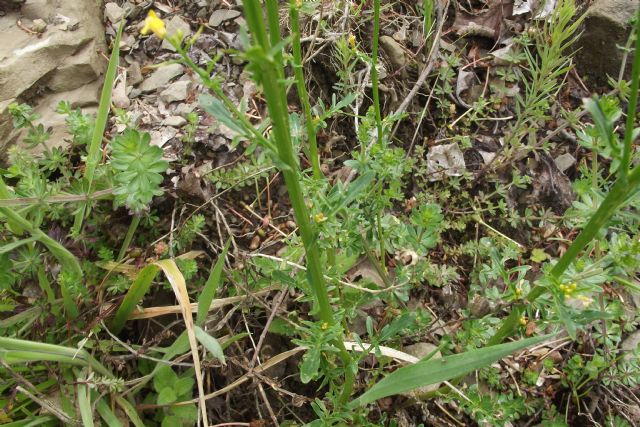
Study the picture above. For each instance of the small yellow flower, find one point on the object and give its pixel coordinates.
(523, 321)
(324, 326)
(154, 24)
(352, 40)
(586, 301)
(320, 217)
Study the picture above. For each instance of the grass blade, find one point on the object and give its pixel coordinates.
(84, 404)
(210, 343)
(436, 370)
(176, 279)
(210, 288)
(93, 152)
(134, 295)
(106, 413)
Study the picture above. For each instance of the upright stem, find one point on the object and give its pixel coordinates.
(302, 90)
(269, 72)
(374, 68)
(633, 101)
(135, 221)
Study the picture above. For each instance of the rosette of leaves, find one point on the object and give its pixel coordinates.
(138, 168)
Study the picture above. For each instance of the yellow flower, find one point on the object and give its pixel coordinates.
(352, 40)
(320, 217)
(154, 24)
(523, 321)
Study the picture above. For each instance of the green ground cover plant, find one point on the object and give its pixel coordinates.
(81, 363)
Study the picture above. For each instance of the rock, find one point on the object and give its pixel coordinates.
(564, 161)
(605, 27)
(39, 26)
(422, 350)
(161, 77)
(113, 12)
(64, 59)
(177, 91)
(174, 26)
(630, 344)
(175, 121)
(119, 96)
(9, 5)
(134, 74)
(221, 15)
(394, 51)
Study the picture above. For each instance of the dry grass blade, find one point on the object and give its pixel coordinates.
(148, 313)
(179, 287)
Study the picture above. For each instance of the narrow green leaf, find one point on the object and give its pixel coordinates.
(356, 187)
(210, 343)
(106, 413)
(209, 291)
(93, 152)
(136, 292)
(84, 404)
(13, 245)
(130, 411)
(436, 370)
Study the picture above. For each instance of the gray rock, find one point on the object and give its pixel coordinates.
(564, 161)
(134, 74)
(175, 121)
(630, 344)
(39, 69)
(421, 350)
(177, 91)
(161, 77)
(174, 26)
(113, 12)
(39, 26)
(221, 15)
(606, 25)
(394, 51)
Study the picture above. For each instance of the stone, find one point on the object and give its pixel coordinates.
(161, 77)
(177, 91)
(134, 74)
(394, 51)
(422, 350)
(36, 69)
(174, 26)
(221, 15)
(39, 26)
(605, 27)
(175, 121)
(630, 344)
(113, 12)
(565, 161)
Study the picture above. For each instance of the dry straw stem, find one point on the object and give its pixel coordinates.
(176, 279)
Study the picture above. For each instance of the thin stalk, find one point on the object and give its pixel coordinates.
(374, 68)
(294, 17)
(625, 185)
(135, 221)
(633, 101)
(269, 73)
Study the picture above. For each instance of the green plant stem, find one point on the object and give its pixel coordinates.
(298, 71)
(374, 68)
(633, 102)
(135, 221)
(268, 73)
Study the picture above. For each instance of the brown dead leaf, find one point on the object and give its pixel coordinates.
(489, 23)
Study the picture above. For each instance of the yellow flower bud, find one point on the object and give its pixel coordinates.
(320, 217)
(352, 40)
(523, 321)
(154, 24)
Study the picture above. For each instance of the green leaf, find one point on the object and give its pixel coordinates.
(84, 404)
(136, 292)
(310, 365)
(107, 415)
(538, 255)
(357, 186)
(184, 386)
(210, 343)
(164, 377)
(93, 153)
(171, 421)
(436, 370)
(219, 111)
(210, 288)
(167, 395)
